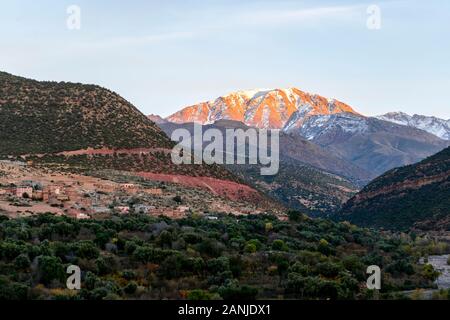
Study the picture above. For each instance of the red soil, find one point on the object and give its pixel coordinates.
(105, 151)
(102, 151)
(231, 190)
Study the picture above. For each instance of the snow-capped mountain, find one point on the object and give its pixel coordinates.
(372, 144)
(436, 126)
(344, 123)
(272, 108)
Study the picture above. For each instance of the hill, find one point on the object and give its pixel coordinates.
(49, 117)
(88, 129)
(309, 178)
(414, 196)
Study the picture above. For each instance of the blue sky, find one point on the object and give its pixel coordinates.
(164, 55)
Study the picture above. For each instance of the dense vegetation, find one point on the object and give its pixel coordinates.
(155, 162)
(246, 257)
(300, 187)
(46, 117)
(414, 196)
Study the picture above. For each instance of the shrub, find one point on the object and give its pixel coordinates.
(22, 262)
(199, 295)
(233, 292)
(86, 249)
(279, 245)
(49, 269)
(429, 273)
(130, 288)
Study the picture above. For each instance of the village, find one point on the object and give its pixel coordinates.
(27, 190)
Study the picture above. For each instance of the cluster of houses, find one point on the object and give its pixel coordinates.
(80, 204)
(35, 191)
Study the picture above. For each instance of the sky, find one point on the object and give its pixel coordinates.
(165, 55)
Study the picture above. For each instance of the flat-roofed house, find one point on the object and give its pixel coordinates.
(24, 192)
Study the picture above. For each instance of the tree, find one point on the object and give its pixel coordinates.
(211, 248)
(294, 215)
(22, 262)
(86, 249)
(268, 226)
(303, 287)
(236, 292)
(218, 265)
(12, 290)
(165, 239)
(324, 247)
(329, 269)
(130, 288)
(429, 273)
(250, 248)
(105, 265)
(177, 199)
(279, 245)
(49, 269)
(199, 295)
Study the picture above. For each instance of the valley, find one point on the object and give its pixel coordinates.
(96, 186)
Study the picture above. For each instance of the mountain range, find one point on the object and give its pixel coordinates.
(328, 151)
(372, 144)
(369, 143)
(438, 127)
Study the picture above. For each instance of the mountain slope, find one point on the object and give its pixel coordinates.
(156, 119)
(369, 143)
(414, 196)
(275, 109)
(309, 178)
(43, 117)
(433, 125)
(87, 129)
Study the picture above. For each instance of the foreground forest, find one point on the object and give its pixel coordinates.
(199, 257)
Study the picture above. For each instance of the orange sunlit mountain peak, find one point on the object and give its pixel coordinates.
(262, 108)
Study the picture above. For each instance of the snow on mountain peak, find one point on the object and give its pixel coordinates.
(262, 108)
(250, 94)
(349, 123)
(433, 125)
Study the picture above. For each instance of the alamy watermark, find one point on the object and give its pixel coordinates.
(374, 17)
(73, 21)
(74, 280)
(228, 146)
(374, 280)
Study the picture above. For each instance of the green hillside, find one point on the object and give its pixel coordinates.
(47, 117)
(414, 196)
